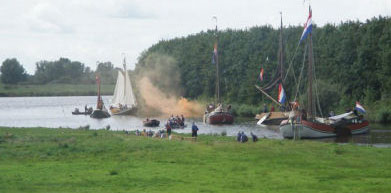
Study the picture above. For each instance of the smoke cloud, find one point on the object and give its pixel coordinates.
(159, 87)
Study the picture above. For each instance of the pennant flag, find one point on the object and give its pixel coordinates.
(359, 108)
(307, 27)
(281, 94)
(214, 56)
(261, 74)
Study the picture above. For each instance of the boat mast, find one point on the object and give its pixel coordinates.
(124, 65)
(217, 66)
(310, 108)
(98, 104)
(281, 53)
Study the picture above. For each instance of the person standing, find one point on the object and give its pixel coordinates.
(194, 130)
(168, 127)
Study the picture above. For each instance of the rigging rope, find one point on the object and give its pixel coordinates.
(301, 72)
(316, 90)
(290, 65)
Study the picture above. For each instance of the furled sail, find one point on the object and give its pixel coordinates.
(123, 93)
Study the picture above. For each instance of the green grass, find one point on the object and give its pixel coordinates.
(65, 160)
(54, 90)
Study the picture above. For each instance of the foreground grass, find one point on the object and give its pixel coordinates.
(54, 90)
(65, 160)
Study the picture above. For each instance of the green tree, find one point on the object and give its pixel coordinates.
(12, 72)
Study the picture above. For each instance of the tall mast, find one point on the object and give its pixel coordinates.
(310, 109)
(124, 65)
(217, 65)
(281, 52)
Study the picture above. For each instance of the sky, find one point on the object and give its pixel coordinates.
(92, 31)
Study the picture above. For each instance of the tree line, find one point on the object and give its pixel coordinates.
(352, 62)
(62, 70)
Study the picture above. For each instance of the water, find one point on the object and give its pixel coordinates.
(54, 112)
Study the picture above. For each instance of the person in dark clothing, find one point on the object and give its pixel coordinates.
(194, 130)
(255, 138)
(239, 136)
(168, 128)
(243, 137)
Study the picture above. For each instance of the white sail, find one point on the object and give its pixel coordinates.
(123, 93)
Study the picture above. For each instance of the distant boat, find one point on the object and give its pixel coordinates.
(151, 123)
(77, 112)
(218, 114)
(305, 123)
(101, 111)
(123, 101)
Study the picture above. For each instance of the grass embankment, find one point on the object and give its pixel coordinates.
(65, 160)
(54, 90)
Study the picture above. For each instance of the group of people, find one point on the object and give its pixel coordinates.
(242, 137)
(176, 121)
(150, 133)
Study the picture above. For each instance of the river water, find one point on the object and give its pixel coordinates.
(55, 112)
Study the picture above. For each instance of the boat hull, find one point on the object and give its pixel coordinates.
(307, 129)
(216, 118)
(151, 123)
(99, 114)
(127, 111)
(271, 118)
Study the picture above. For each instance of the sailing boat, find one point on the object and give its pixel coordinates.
(275, 118)
(123, 102)
(218, 114)
(305, 124)
(100, 111)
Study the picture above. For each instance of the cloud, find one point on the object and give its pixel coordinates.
(47, 18)
(130, 11)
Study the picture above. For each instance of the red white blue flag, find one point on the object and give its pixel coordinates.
(307, 27)
(360, 108)
(281, 94)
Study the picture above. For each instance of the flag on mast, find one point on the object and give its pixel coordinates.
(281, 94)
(360, 108)
(307, 26)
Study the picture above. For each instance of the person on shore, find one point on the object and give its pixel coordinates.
(255, 138)
(243, 137)
(272, 109)
(194, 130)
(168, 128)
(239, 136)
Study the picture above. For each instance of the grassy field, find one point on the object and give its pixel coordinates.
(65, 160)
(54, 90)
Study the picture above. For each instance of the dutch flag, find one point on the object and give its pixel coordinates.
(281, 94)
(359, 108)
(307, 27)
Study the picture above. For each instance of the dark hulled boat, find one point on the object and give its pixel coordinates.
(100, 112)
(217, 114)
(151, 123)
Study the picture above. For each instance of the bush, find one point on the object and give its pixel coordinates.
(383, 115)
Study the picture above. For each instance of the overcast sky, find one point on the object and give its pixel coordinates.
(101, 30)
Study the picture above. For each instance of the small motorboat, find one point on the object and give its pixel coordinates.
(151, 123)
(77, 112)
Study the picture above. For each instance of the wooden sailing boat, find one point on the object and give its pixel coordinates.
(123, 101)
(274, 118)
(305, 124)
(100, 111)
(218, 114)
